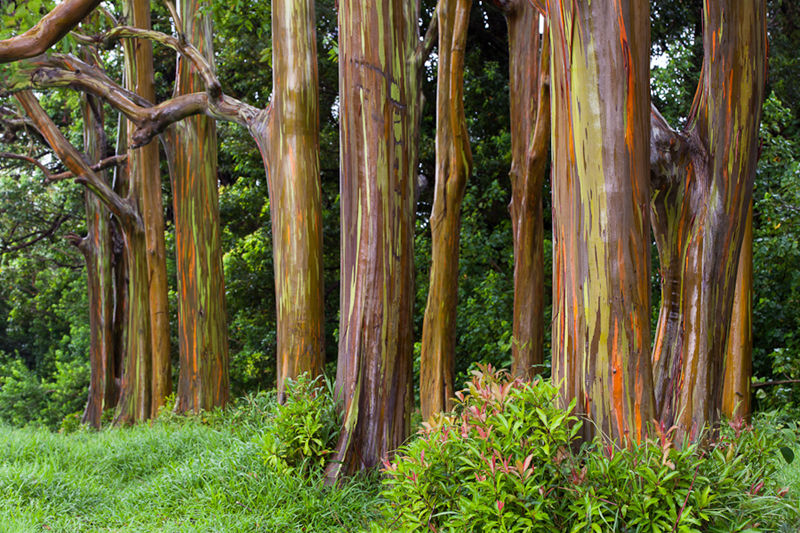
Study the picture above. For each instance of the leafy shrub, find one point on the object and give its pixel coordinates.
(505, 460)
(300, 433)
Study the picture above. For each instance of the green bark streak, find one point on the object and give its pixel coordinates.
(289, 144)
(600, 93)
(379, 117)
(700, 211)
(203, 382)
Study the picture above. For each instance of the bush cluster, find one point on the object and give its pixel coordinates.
(506, 459)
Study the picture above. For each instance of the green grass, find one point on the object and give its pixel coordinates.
(170, 477)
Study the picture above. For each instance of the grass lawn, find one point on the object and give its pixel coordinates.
(181, 476)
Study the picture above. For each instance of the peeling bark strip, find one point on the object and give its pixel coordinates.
(453, 167)
(288, 138)
(146, 383)
(96, 248)
(529, 93)
(600, 94)
(380, 107)
(203, 382)
(702, 187)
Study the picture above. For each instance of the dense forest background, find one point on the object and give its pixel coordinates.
(44, 329)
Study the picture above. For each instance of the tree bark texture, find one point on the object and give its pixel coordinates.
(702, 187)
(736, 391)
(600, 95)
(203, 382)
(145, 177)
(97, 249)
(379, 117)
(288, 137)
(529, 93)
(453, 167)
(135, 392)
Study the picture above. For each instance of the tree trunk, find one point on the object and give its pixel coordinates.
(702, 183)
(529, 92)
(96, 248)
(601, 334)
(453, 167)
(146, 175)
(380, 106)
(203, 382)
(736, 390)
(289, 143)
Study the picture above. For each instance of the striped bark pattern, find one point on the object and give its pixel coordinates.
(702, 188)
(146, 380)
(192, 148)
(379, 117)
(288, 137)
(96, 248)
(453, 167)
(601, 334)
(529, 93)
(736, 389)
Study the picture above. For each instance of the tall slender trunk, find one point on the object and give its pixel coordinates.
(739, 352)
(289, 144)
(702, 187)
(145, 173)
(96, 248)
(453, 167)
(192, 150)
(529, 93)
(379, 117)
(601, 334)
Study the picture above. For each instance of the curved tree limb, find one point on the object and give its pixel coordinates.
(47, 31)
(74, 160)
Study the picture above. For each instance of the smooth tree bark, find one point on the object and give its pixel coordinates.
(453, 167)
(145, 172)
(529, 94)
(136, 401)
(203, 381)
(600, 95)
(736, 390)
(48, 31)
(379, 58)
(97, 249)
(702, 188)
(289, 144)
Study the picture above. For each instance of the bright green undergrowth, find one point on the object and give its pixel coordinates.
(236, 471)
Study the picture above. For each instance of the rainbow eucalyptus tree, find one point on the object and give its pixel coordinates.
(453, 167)
(529, 93)
(97, 249)
(600, 97)
(147, 382)
(380, 56)
(126, 210)
(191, 144)
(702, 189)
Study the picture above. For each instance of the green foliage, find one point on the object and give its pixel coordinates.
(26, 399)
(505, 460)
(302, 432)
(200, 473)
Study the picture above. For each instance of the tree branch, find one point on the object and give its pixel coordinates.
(428, 42)
(669, 152)
(48, 31)
(779, 382)
(33, 238)
(31, 160)
(74, 161)
(103, 164)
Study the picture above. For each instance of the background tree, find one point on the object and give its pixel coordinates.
(453, 167)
